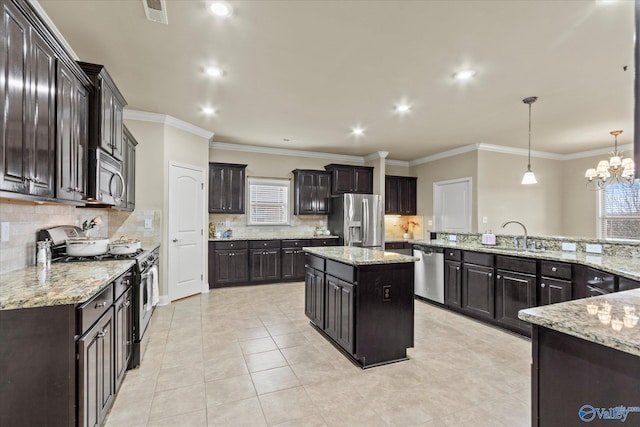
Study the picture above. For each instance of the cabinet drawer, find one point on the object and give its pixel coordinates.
(341, 271)
(314, 262)
(297, 243)
(559, 270)
(264, 244)
(600, 279)
(324, 242)
(478, 258)
(121, 284)
(453, 254)
(519, 265)
(236, 244)
(394, 245)
(91, 310)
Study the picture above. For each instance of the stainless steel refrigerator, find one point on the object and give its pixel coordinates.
(358, 219)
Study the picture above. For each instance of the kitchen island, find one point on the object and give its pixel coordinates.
(362, 301)
(583, 369)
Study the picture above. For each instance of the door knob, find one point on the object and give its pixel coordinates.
(175, 240)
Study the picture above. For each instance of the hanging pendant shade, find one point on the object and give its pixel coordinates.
(529, 177)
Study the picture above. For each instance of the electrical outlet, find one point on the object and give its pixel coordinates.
(5, 231)
(227, 223)
(430, 223)
(453, 237)
(485, 220)
(386, 293)
(147, 223)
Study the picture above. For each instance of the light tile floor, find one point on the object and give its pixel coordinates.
(247, 356)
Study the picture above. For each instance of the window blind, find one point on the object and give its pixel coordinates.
(268, 201)
(619, 212)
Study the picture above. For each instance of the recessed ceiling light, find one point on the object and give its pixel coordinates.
(464, 74)
(221, 8)
(403, 108)
(215, 72)
(208, 111)
(357, 131)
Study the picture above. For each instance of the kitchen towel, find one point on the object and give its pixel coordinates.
(155, 288)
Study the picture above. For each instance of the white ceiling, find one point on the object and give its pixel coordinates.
(308, 71)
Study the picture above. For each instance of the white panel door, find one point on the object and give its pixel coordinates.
(452, 205)
(186, 231)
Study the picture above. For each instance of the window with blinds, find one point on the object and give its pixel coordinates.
(619, 212)
(268, 201)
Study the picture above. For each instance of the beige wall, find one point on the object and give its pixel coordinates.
(397, 170)
(460, 166)
(579, 205)
(501, 197)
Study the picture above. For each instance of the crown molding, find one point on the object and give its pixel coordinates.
(518, 151)
(38, 8)
(444, 154)
(144, 116)
(376, 155)
(403, 163)
(598, 152)
(285, 152)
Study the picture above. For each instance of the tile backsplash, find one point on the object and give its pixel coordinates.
(300, 226)
(26, 218)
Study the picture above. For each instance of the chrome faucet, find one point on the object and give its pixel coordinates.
(524, 237)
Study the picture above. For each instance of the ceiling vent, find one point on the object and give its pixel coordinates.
(156, 11)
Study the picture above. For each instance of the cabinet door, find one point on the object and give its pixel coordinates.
(514, 292)
(332, 307)
(323, 193)
(118, 147)
(131, 173)
(14, 167)
(452, 283)
(41, 116)
(289, 263)
(363, 180)
(240, 265)
(226, 188)
(107, 111)
(257, 265)
(318, 297)
(235, 190)
(123, 335)
(342, 180)
(407, 196)
(478, 290)
(339, 312)
(216, 185)
(95, 372)
(231, 266)
(390, 195)
(309, 293)
(305, 192)
(554, 290)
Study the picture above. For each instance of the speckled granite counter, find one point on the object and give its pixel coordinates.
(360, 256)
(623, 266)
(271, 237)
(63, 283)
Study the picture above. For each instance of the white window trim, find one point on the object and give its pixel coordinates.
(599, 222)
(280, 182)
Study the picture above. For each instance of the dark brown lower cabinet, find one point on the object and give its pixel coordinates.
(265, 265)
(514, 292)
(231, 266)
(339, 321)
(292, 264)
(124, 334)
(552, 291)
(453, 283)
(478, 293)
(96, 385)
(314, 296)
(570, 374)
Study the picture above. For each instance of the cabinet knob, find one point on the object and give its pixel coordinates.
(543, 285)
(450, 253)
(458, 268)
(497, 277)
(554, 269)
(101, 304)
(102, 333)
(490, 274)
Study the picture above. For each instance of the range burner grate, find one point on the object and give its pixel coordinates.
(104, 257)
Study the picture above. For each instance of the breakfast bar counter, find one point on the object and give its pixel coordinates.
(361, 300)
(586, 360)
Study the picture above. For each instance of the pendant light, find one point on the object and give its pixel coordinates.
(529, 177)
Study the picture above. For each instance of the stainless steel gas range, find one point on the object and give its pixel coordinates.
(145, 279)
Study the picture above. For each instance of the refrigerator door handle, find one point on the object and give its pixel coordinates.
(365, 221)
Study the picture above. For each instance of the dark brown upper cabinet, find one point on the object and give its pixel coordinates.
(129, 169)
(28, 107)
(71, 136)
(350, 179)
(400, 195)
(312, 192)
(226, 188)
(106, 105)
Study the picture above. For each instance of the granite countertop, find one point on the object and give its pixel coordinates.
(572, 318)
(359, 256)
(63, 283)
(270, 237)
(623, 266)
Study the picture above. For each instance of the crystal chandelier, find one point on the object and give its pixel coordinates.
(616, 170)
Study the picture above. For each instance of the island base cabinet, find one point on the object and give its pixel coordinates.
(314, 297)
(569, 374)
(339, 312)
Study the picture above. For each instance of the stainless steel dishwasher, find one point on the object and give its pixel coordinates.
(429, 273)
